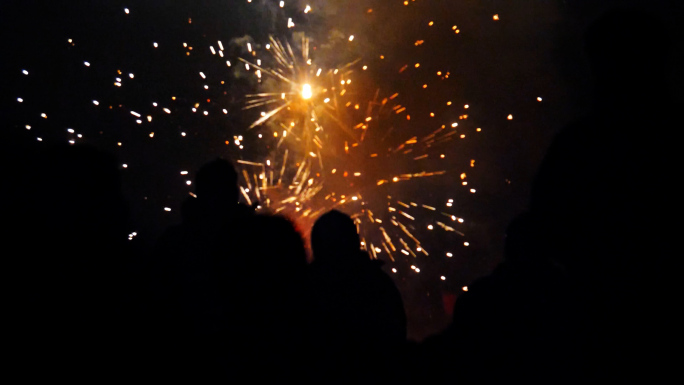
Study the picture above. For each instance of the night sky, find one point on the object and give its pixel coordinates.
(519, 58)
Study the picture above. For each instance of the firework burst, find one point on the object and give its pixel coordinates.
(320, 134)
(305, 111)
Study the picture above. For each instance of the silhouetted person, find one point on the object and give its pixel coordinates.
(199, 270)
(586, 289)
(270, 308)
(358, 320)
(601, 197)
(73, 311)
(594, 175)
(515, 325)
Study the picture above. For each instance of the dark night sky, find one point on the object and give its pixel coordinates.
(498, 68)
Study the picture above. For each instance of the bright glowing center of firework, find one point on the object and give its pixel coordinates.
(306, 91)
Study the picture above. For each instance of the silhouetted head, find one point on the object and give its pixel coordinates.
(628, 52)
(334, 238)
(216, 183)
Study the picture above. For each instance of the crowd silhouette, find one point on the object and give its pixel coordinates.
(585, 292)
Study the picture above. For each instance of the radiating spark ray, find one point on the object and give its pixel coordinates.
(244, 194)
(268, 116)
(388, 251)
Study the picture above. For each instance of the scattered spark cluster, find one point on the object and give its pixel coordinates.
(321, 124)
(319, 140)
